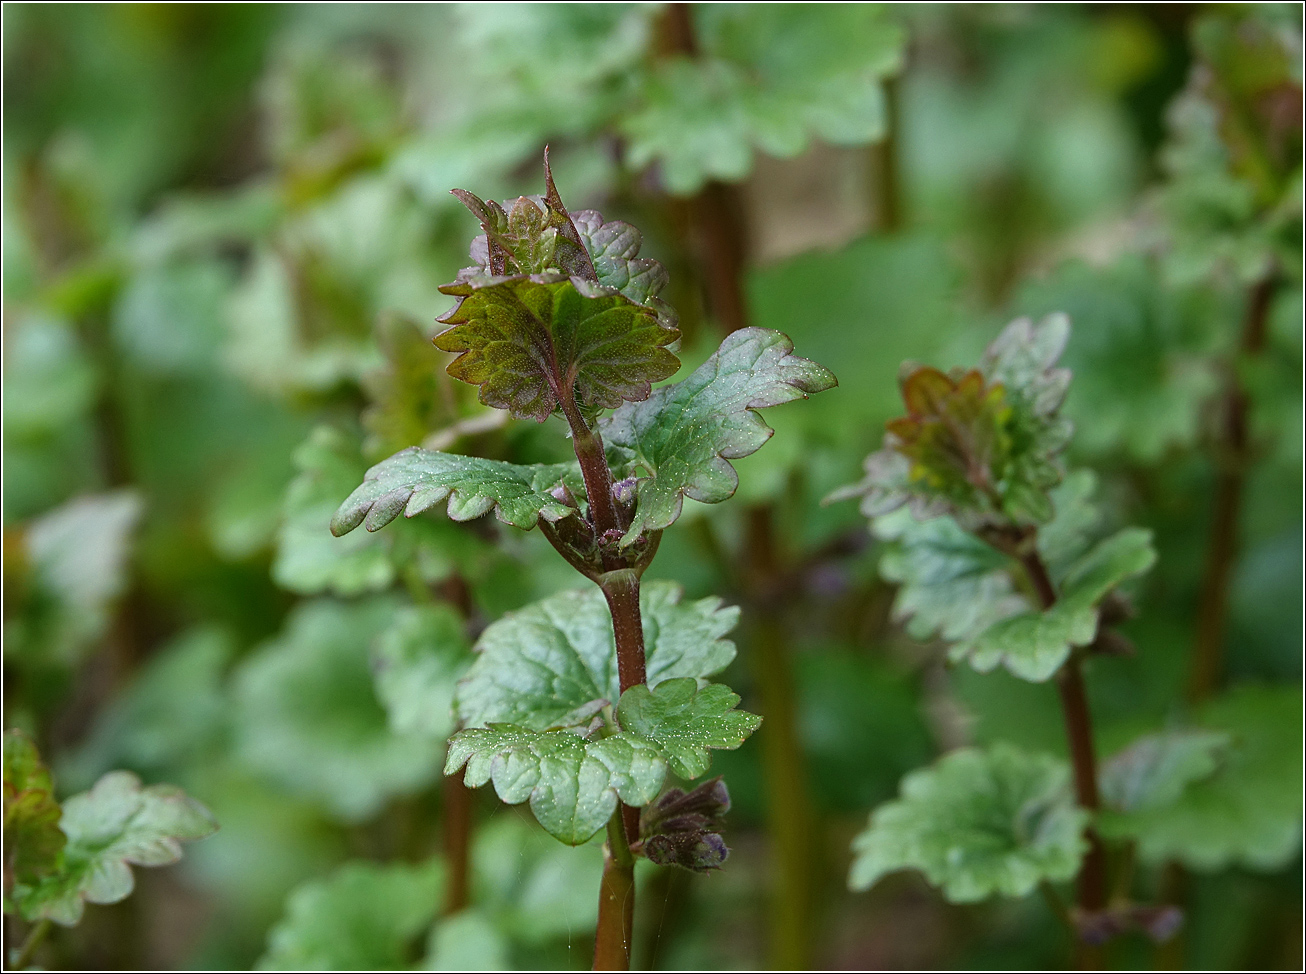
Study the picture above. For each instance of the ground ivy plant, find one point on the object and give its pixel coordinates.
(60, 856)
(999, 553)
(582, 703)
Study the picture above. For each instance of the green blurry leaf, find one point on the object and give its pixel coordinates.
(528, 342)
(684, 435)
(573, 784)
(683, 721)
(363, 917)
(311, 560)
(537, 888)
(411, 395)
(78, 560)
(32, 837)
(977, 824)
(1140, 348)
(113, 826)
(466, 941)
(417, 663)
(49, 378)
(170, 317)
(1153, 771)
(173, 714)
(414, 480)
(548, 664)
(1247, 813)
(768, 78)
(308, 717)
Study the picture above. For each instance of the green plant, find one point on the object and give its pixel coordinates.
(60, 856)
(578, 705)
(1000, 553)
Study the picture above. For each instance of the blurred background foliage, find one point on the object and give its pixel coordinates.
(224, 226)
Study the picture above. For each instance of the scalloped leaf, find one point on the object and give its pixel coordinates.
(554, 662)
(113, 826)
(533, 342)
(415, 480)
(1249, 811)
(573, 784)
(1033, 645)
(765, 77)
(32, 837)
(684, 721)
(977, 823)
(684, 435)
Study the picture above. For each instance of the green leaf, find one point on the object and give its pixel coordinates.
(308, 558)
(553, 663)
(109, 828)
(1033, 645)
(466, 941)
(613, 246)
(684, 435)
(415, 480)
(573, 784)
(311, 560)
(1153, 771)
(683, 721)
(363, 917)
(764, 78)
(78, 560)
(950, 583)
(411, 395)
(417, 663)
(1248, 812)
(307, 715)
(977, 823)
(530, 342)
(32, 837)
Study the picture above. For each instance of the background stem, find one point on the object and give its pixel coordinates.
(1079, 733)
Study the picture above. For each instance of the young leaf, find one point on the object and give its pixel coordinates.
(533, 342)
(307, 713)
(363, 917)
(1248, 812)
(415, 480)
(977, 823)
(683, 721)
(1153, 771)
(573, 784)
(684, 435)
(32, 837)
(109, 828)
(982, 444)
(417, 663)
(548, 664)
(536, 322)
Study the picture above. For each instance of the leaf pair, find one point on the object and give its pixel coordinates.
(546, 672)
(678, 443)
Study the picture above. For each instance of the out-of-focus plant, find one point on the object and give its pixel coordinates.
(998, 552)
(567, 706)
(61, 855)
